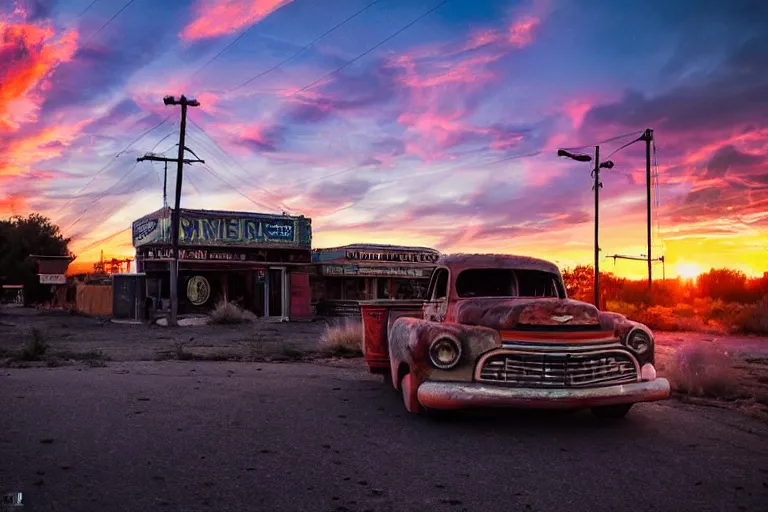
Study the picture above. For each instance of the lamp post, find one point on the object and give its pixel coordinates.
(608, 164)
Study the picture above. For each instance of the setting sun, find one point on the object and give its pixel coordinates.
(688, 270)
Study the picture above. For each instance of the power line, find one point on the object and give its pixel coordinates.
(106, 192)
(105, 239)
(88, 8)
(246, 173)
(126, 148)
(604, 141)
(102, 196)
(305, 47)
(230, 45)
(269, 205)
(377, 45)
(107, 23)
(260, 205)
(624, 146)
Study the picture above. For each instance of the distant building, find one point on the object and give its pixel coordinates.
(262, 261)
(346, 275)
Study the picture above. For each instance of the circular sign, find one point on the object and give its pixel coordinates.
(198, 290)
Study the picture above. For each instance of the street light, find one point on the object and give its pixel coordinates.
(608, 164)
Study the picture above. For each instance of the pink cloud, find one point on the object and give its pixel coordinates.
(29, 53)
(521, 32)
(215, 18)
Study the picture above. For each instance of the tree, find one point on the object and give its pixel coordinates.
(723, 284)
(580, 284)
(20, 237)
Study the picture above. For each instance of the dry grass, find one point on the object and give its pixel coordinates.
(345, 340)
(702, 315)
(35, 347)
(230, 313)
(704, 370)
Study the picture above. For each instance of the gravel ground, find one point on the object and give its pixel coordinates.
(74, 334)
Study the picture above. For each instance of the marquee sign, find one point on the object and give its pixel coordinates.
(231, 229)
(404, 257)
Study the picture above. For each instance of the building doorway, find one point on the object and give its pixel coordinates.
(276, 302)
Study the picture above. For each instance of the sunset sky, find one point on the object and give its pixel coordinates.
(439, 131)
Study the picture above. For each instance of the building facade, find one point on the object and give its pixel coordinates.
(343, 276)
(260, 261)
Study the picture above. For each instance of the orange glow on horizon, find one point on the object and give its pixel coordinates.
(689, 270)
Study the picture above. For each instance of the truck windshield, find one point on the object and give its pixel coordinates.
(506, 282)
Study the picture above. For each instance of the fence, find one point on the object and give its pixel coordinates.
(94, 299)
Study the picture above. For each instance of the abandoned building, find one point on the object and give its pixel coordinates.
(260, 261)
(345, 275)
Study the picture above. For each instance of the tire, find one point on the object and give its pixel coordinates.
(411, 405)
(612, 411)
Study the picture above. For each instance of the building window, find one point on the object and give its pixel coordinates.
(354, 289)
(333, 289)
(409, 289)
(382, 288)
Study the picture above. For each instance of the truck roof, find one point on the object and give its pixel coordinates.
(464, 261)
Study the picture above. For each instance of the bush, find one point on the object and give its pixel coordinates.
(753, 319)
(661, 318)
(35, 347)
(703, 370)
(343, 340)
(227, 312)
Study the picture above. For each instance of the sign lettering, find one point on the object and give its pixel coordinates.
(406, 257)
(354, 270)
(53, 279)
(196, 254)
(200, 230)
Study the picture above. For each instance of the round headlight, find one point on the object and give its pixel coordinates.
(445, 352)
(639, 341)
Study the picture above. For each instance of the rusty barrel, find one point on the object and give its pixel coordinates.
(378, 316)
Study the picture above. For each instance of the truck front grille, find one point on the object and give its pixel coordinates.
(559, 370)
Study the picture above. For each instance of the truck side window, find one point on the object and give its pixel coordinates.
(441, 284)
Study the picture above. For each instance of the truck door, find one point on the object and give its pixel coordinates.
(436, 306)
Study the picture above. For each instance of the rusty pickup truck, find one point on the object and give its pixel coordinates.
(500, 331)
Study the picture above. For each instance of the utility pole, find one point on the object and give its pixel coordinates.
(648, 138)
(157, 158)
(175, 264)
(596, 187)
(176, 212)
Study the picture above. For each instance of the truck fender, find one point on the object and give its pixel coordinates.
(410, 338)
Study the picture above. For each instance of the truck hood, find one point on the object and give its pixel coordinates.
(510, 313)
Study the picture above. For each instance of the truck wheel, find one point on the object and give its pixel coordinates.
(612, 411)
(409, 396)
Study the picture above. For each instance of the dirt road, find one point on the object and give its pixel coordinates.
(187, 436)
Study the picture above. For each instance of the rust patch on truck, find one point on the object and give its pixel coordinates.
(508, 313)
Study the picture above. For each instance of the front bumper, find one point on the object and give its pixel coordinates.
(462, 395)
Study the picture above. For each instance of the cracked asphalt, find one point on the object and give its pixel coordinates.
(189, 436)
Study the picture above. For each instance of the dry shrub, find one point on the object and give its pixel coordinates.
(681, 317)
(35, 347)
(227, 312)
(753, 318)
(343, 340)
(705, 370)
